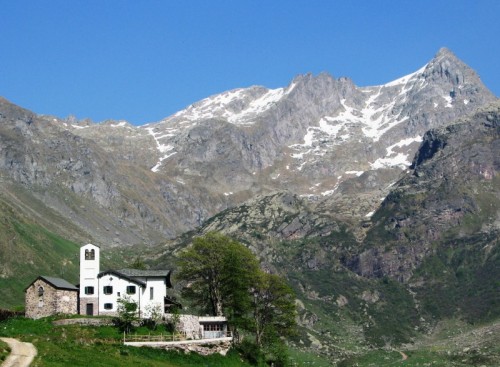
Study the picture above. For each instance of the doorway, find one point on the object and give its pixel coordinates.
(90, 309)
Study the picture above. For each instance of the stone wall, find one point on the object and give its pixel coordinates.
(84, 322)
(189, 325)
(66, 302)
(205, 350)
(52, 301)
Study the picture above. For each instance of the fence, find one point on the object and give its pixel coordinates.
(154, 337)
(159, 337)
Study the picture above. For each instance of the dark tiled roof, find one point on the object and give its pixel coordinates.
(144, 273)
(121, 275)
(132, 275)
(59, 283)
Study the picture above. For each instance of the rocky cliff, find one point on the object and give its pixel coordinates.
(338, 145)
(431, 250)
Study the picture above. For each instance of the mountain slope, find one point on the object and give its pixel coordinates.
(431, 251)
(339, 145)
(453, 193)
(314, 177)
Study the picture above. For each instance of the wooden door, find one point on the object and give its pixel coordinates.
(90, 309)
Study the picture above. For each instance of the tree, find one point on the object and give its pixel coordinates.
(223, 278)
(127, 314)
(154, 314)
(219, 273)
(173, 319)
(273, 309)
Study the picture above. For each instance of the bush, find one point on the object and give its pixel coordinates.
(250, 352)
(127, 315)
(7, 314)
(278, 355)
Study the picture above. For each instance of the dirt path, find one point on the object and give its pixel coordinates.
(403, 356)
(21, 354)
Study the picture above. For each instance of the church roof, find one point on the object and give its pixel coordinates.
(57, 283)
(145, 273)
(136, 275)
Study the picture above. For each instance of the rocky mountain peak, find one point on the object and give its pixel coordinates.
(321, 138)
(445, 66)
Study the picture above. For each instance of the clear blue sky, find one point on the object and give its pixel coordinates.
(144, 60)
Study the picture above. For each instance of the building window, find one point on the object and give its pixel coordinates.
(90, 254)
(151, 293)
(107, 289)
(40, 291)
(108, 306)
(89, 290)
(131, 289)
(212, 327)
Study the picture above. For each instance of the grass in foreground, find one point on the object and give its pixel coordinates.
(99, 346)
(4, 351)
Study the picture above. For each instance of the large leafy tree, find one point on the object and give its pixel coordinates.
(223, 277)
(219, 273)
(273, 309)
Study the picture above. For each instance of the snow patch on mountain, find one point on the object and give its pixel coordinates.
(239, 106)
(356, 173)
(449, 101)
(375, 118)
(120, 124)
(370, 214)
(162, 148)
(372, 118)
(405, 79)
(396, 159)
(256, 107)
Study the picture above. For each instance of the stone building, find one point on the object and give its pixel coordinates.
(202, 327)
(100, 292)
(47, 296)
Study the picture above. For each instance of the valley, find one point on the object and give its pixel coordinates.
(380, 205)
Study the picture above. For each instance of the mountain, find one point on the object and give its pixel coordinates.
(324, 139)
(372, 201)
(430, 252)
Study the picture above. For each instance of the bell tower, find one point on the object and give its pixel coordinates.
(89, 283)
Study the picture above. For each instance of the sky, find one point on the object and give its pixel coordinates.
(142, 61)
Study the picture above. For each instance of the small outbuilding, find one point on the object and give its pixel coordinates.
(47, 296)
(213, 327)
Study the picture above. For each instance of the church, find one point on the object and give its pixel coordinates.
(99, 291)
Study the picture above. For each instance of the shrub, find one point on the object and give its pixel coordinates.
(250, 352)
(7, 314)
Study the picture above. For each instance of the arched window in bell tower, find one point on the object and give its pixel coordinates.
(90, 254)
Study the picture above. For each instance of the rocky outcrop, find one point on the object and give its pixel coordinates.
(453, 191)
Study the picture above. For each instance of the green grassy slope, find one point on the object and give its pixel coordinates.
(28, 250)
(62, 346)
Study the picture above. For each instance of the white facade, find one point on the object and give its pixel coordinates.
(89, 284)
(147, 292)
(100, 291)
